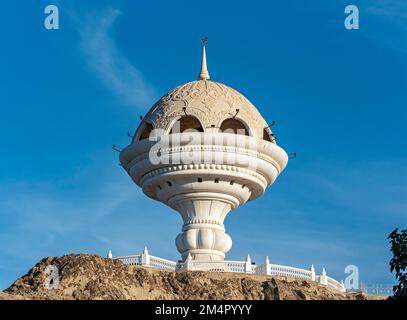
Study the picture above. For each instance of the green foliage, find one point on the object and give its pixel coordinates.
(398, 263)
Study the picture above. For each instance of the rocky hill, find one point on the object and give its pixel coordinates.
(85, 276)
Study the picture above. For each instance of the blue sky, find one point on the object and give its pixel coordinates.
(339, 98)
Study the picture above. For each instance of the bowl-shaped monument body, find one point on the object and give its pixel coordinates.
(203, 176)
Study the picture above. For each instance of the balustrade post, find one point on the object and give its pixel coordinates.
(145, 257)
(323, 278)
(267, 266)
(188, 262)
(248, 265)
(312, 272)
(343, 288)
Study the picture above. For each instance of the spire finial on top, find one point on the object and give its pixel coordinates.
(204, 74)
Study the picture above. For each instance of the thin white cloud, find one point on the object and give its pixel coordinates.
(105, 60)
(391, 13)
(395, 10)
(60, 208)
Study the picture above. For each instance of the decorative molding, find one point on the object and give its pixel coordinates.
(201, 166)
(209, 101)
(202, 221)
(226, 149)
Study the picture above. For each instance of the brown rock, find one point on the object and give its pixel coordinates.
(86, 277)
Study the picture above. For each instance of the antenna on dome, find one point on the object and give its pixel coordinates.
(204, 41)
(204, 74)
(273, 136)
(142, 119)
(271, 124)
(116, 148)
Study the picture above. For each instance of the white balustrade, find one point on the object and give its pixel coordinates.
(131, 260)
(214, 266)
(285, 271)
(266, 268)
(159, 263)
(332, 283)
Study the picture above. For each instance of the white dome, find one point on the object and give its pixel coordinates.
(210, 102)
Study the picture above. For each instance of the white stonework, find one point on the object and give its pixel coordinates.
(247, 266)
(209, 101)
(204, 191)
(230, 158)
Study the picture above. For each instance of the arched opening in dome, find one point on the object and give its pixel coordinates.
(267, 136)
(186, 123)
(145, 131)
(234, 126)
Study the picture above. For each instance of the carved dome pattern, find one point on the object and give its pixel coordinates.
(211, 102)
